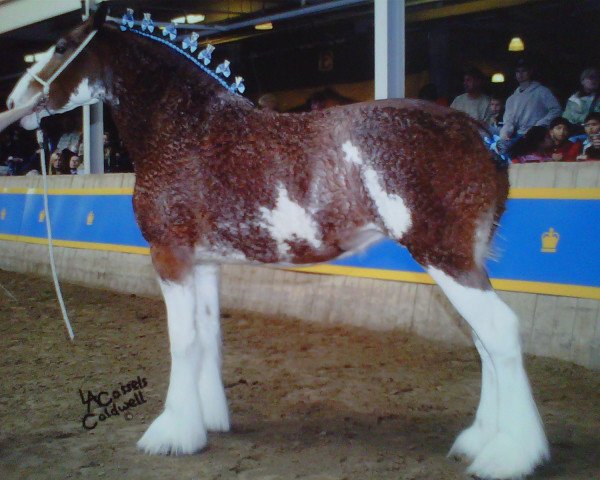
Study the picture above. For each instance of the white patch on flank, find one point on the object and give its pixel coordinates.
(20, 95)
(351, 153)
(289, 221)
(391, 207)
(507, 438)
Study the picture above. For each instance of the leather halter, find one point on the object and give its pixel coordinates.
(46, 83)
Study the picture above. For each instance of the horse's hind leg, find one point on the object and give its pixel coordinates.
(507, 439)
(208, 326)
(180, 428)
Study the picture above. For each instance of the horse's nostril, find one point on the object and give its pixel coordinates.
(10, 103)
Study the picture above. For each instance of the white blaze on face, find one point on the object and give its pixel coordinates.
(289, 222)
(391, 207)
(23, 91)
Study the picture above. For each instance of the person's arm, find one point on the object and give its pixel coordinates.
(11, 116)
(509, 121)
(552, 106)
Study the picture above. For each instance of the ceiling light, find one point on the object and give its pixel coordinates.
(516, 45)
(264, 26)
(178, 20)
(498, 78)
(197, 18)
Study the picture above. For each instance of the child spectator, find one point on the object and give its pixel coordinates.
(473, 102)
(586, 100)
(560, 148)
(591, 146)
(496, 112)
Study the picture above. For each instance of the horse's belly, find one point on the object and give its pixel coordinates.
(293, 249)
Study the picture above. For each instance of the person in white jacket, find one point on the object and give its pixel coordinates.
(530, 105)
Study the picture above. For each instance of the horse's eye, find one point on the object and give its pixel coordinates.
(61, 46)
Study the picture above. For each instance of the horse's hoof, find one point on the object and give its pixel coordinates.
(504, 458)
(469, 443)
(172, 434)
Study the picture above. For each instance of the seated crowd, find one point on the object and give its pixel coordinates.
(532, 126)
(20, 154)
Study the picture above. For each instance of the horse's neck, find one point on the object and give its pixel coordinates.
(155, 92)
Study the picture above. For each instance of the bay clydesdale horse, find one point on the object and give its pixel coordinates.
(219, 181)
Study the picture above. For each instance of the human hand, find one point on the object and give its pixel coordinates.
(557, 157)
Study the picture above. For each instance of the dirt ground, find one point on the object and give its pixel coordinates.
(307, 401)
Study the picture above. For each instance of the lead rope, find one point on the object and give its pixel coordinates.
(40, 139)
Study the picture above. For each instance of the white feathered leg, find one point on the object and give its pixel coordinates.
(208, 326)
(518, 443)
(180, 428)
(472, 440)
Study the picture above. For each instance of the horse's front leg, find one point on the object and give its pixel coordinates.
(180, 427)
(208, 326)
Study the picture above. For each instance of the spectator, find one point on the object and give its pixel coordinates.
(268, 102)
(59, 162)
(560, 148)
(473, 102)
(586, 100)
(74, 164)
(531, 105)
(495, 116)
(429, 92)
(327, 98)
(70, 141)
(591, 146)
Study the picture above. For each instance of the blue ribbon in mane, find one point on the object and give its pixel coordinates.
(233, 88)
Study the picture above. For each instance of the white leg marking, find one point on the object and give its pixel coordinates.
(208, 326)
(517, 443)
(180, 428)
(472, 440)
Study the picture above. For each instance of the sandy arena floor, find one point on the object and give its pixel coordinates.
(307, 401)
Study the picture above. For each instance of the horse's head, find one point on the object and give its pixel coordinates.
(67, 75)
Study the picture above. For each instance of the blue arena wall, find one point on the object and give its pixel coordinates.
(548, 240)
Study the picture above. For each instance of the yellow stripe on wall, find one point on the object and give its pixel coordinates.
(416, 277)
(109, 247)
(400, 276)
(69, 191)
(556, 193)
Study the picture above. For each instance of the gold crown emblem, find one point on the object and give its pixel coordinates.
(42, 216)
(550, 240)
(90, 218)
(3, 214)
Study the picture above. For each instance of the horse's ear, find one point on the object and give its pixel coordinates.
(100, 15)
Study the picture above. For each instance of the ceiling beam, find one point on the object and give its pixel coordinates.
(20, 13)
(435, 12)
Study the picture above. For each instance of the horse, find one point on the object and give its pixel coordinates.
(220, 181)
